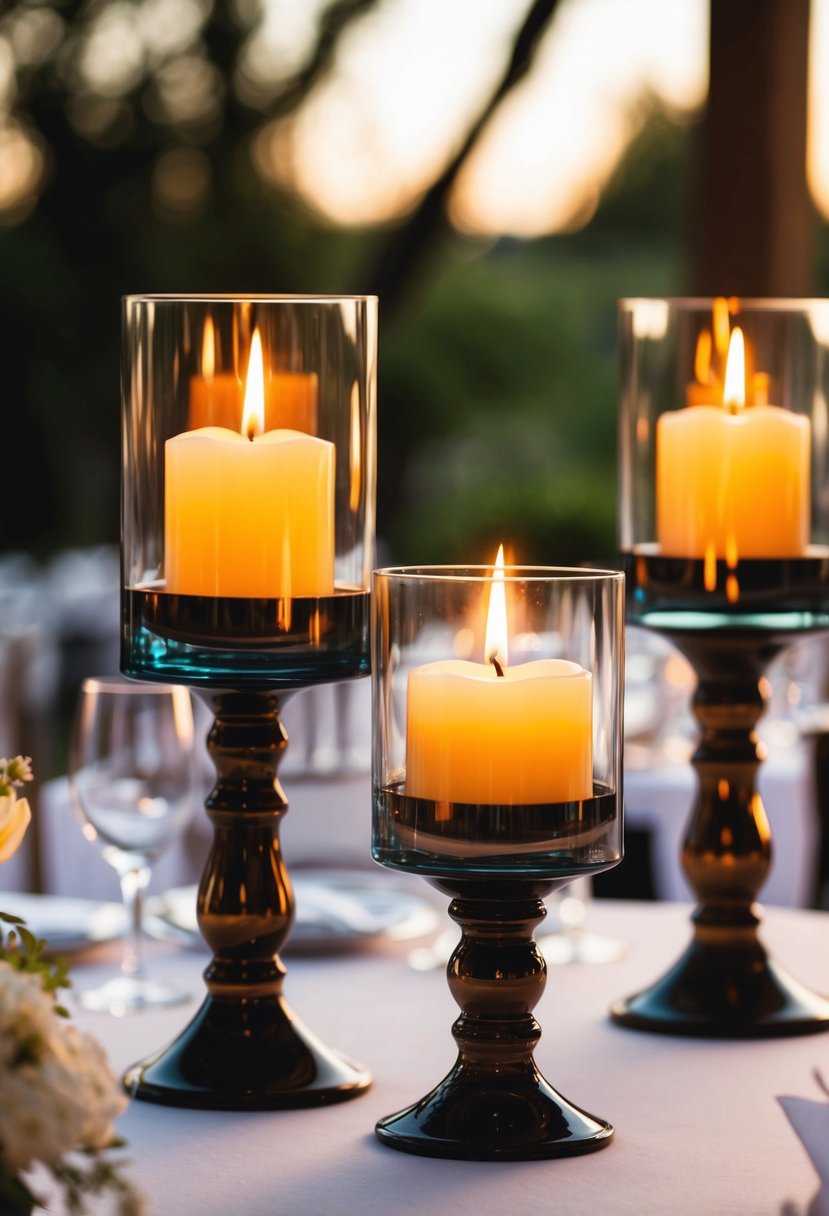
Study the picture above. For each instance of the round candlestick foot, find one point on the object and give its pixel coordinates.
(516, 1116)
(730, 990)
(259, 1058)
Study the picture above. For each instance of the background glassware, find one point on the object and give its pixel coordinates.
(497, 859)
(134, 781)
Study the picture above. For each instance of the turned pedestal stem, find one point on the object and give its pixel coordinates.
(725, 984)
(245, 1049)
(494, 1104)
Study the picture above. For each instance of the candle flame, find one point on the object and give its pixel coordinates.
(253, 414)
(208, 350)
(734, 393)
(495, 643)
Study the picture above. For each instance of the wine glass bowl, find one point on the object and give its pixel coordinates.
(134, 781)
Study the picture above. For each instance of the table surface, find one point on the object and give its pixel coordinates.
(698, 1127)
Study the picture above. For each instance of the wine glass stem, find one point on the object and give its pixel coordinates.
(133, 885)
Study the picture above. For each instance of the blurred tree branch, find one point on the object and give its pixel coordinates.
(393, 272)
(335, 20)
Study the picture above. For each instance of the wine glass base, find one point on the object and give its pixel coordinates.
(487, 1118)
(130, 994)
(563, 947)
(258, 1057)
(722, 993)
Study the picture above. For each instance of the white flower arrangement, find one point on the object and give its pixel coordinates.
(58, 1095)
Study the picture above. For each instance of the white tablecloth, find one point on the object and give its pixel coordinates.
(698, 1129)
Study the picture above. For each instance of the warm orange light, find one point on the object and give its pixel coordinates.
(734, 393)
(760, 387)
(702, 358)
(721, 321)
(495, 644)
(208, 350)
(253, 413)
(710, 566)
(355, 450)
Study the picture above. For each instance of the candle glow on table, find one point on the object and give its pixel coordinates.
(476, 736)
(249, 514)
(732, 481)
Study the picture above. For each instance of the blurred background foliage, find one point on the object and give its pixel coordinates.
(144, 148)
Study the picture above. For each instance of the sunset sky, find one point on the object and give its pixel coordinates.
(408, 78)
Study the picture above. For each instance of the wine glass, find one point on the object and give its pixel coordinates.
(134, 781)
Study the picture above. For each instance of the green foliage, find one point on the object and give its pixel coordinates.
(498, 405)
(97, 1177)
(14, 773)
(497, 392)
(22, 950)
(15, 1197)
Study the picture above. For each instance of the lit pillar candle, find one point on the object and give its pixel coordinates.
(249, 514)
(475, 735)
(732, 482)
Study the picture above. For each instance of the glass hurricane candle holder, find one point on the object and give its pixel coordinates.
(497, 777)
(724, 525)
(247, 544)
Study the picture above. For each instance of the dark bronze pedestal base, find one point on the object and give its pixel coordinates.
(244, 1050)
(475, 1118)
(263, 1061)
(494, 1105)
(725, 986)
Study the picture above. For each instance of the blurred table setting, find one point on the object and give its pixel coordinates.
(60, 623)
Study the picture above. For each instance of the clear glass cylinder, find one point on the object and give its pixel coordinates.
(724, 417)
(249, 454)
(497, 720)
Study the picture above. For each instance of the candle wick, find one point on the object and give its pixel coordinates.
(499, 671)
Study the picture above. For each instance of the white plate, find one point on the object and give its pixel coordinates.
(67, 925)
(335, 910)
